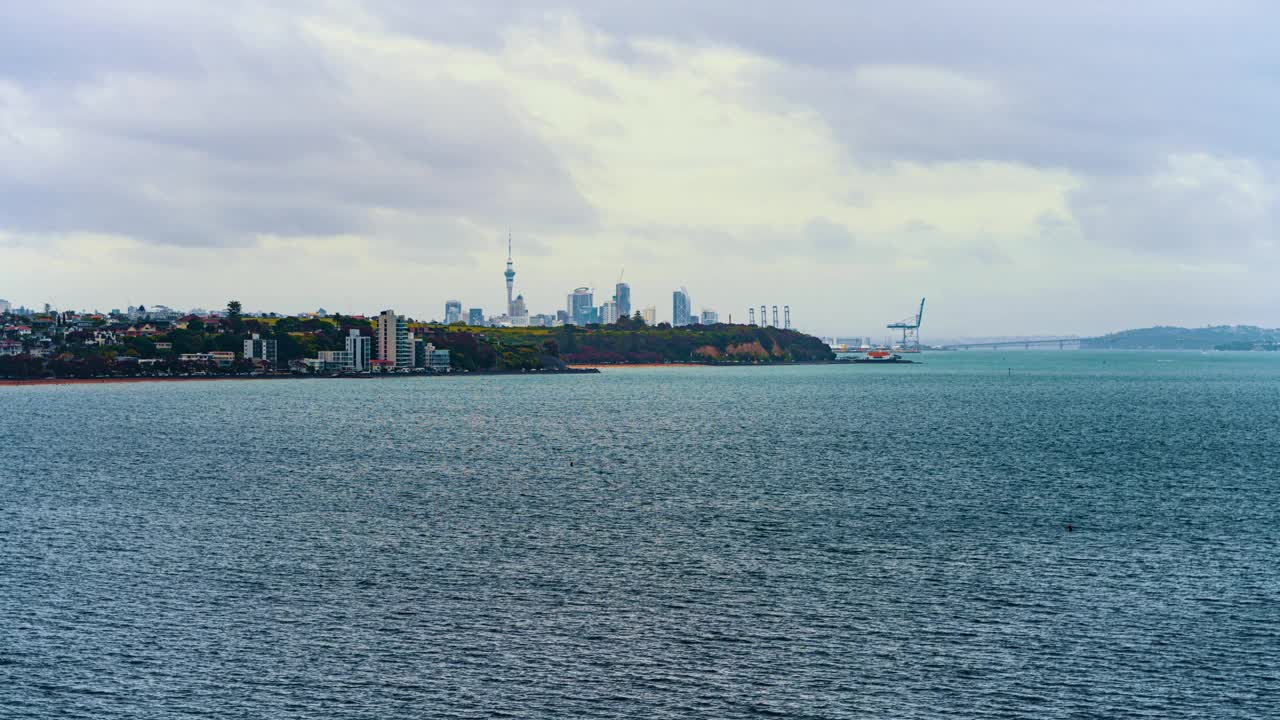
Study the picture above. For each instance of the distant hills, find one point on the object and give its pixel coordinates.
(1221, 337)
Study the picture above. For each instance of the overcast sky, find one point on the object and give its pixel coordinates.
(1031, 167)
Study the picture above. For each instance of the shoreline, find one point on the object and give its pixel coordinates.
(610, 366)
(14, 382)
(570, 369)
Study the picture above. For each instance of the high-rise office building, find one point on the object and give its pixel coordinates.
(710, 317)
(649, 315)
(609, 313)
(359, 351)
(622, 297)
(259, 348)
(519, 309)
(580, 309)
(680, 307)
(452, 312)
(395, 346)
(475, 316)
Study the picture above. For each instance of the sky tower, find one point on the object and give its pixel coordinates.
(510, 274)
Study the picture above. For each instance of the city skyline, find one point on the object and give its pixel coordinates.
(292, 156)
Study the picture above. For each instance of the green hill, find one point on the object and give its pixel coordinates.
(1221, 337)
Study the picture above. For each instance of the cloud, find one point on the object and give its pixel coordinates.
(310, 134)
(1197, 205)
(843, 157)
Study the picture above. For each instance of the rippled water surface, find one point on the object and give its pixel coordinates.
(808, 542)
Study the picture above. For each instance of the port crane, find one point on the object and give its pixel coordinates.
(910, 330)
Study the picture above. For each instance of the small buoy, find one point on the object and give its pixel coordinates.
(570, 463)
(1068, 527)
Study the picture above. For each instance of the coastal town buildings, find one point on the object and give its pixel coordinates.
(394, 346)
(260, 348)
(359, 350)
(221, 358)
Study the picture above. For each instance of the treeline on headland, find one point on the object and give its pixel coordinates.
(710, 344)
(1218, 337)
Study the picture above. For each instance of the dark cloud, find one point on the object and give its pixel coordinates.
(275, 135)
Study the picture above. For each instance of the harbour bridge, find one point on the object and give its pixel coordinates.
(1072, 343)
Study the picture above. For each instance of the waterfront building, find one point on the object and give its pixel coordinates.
(222, 358)
(475, 317)
(622, 296)
(710, 317)
(395, 348)
(580, 308)
(680, 308)
(420, 346)
(259, 348)
(333, 360)
(359, 351)
(452, 312)
(650, 315)
(437, 359)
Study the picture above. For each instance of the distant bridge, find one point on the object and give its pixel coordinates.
(1073, 343)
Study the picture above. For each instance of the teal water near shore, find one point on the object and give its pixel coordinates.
(790, 541)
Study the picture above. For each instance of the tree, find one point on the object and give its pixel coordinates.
(233, 316)
(638, 319)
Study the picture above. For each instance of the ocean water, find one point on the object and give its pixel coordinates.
(788, 542)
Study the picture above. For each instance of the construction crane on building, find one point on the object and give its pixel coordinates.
(910, 330)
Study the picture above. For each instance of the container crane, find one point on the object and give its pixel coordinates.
(910, 330)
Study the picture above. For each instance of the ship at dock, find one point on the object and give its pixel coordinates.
(881, 357)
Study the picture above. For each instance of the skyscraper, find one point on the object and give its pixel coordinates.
(510, 274)
(452, 312)
(649, 315)
(609, 313)
(710, 317)
(475, 317)
(394, 344)
(580, 306)
(680, 307)
(519, 315)
(622, 298)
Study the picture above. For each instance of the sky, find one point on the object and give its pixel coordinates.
(1031, 168)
